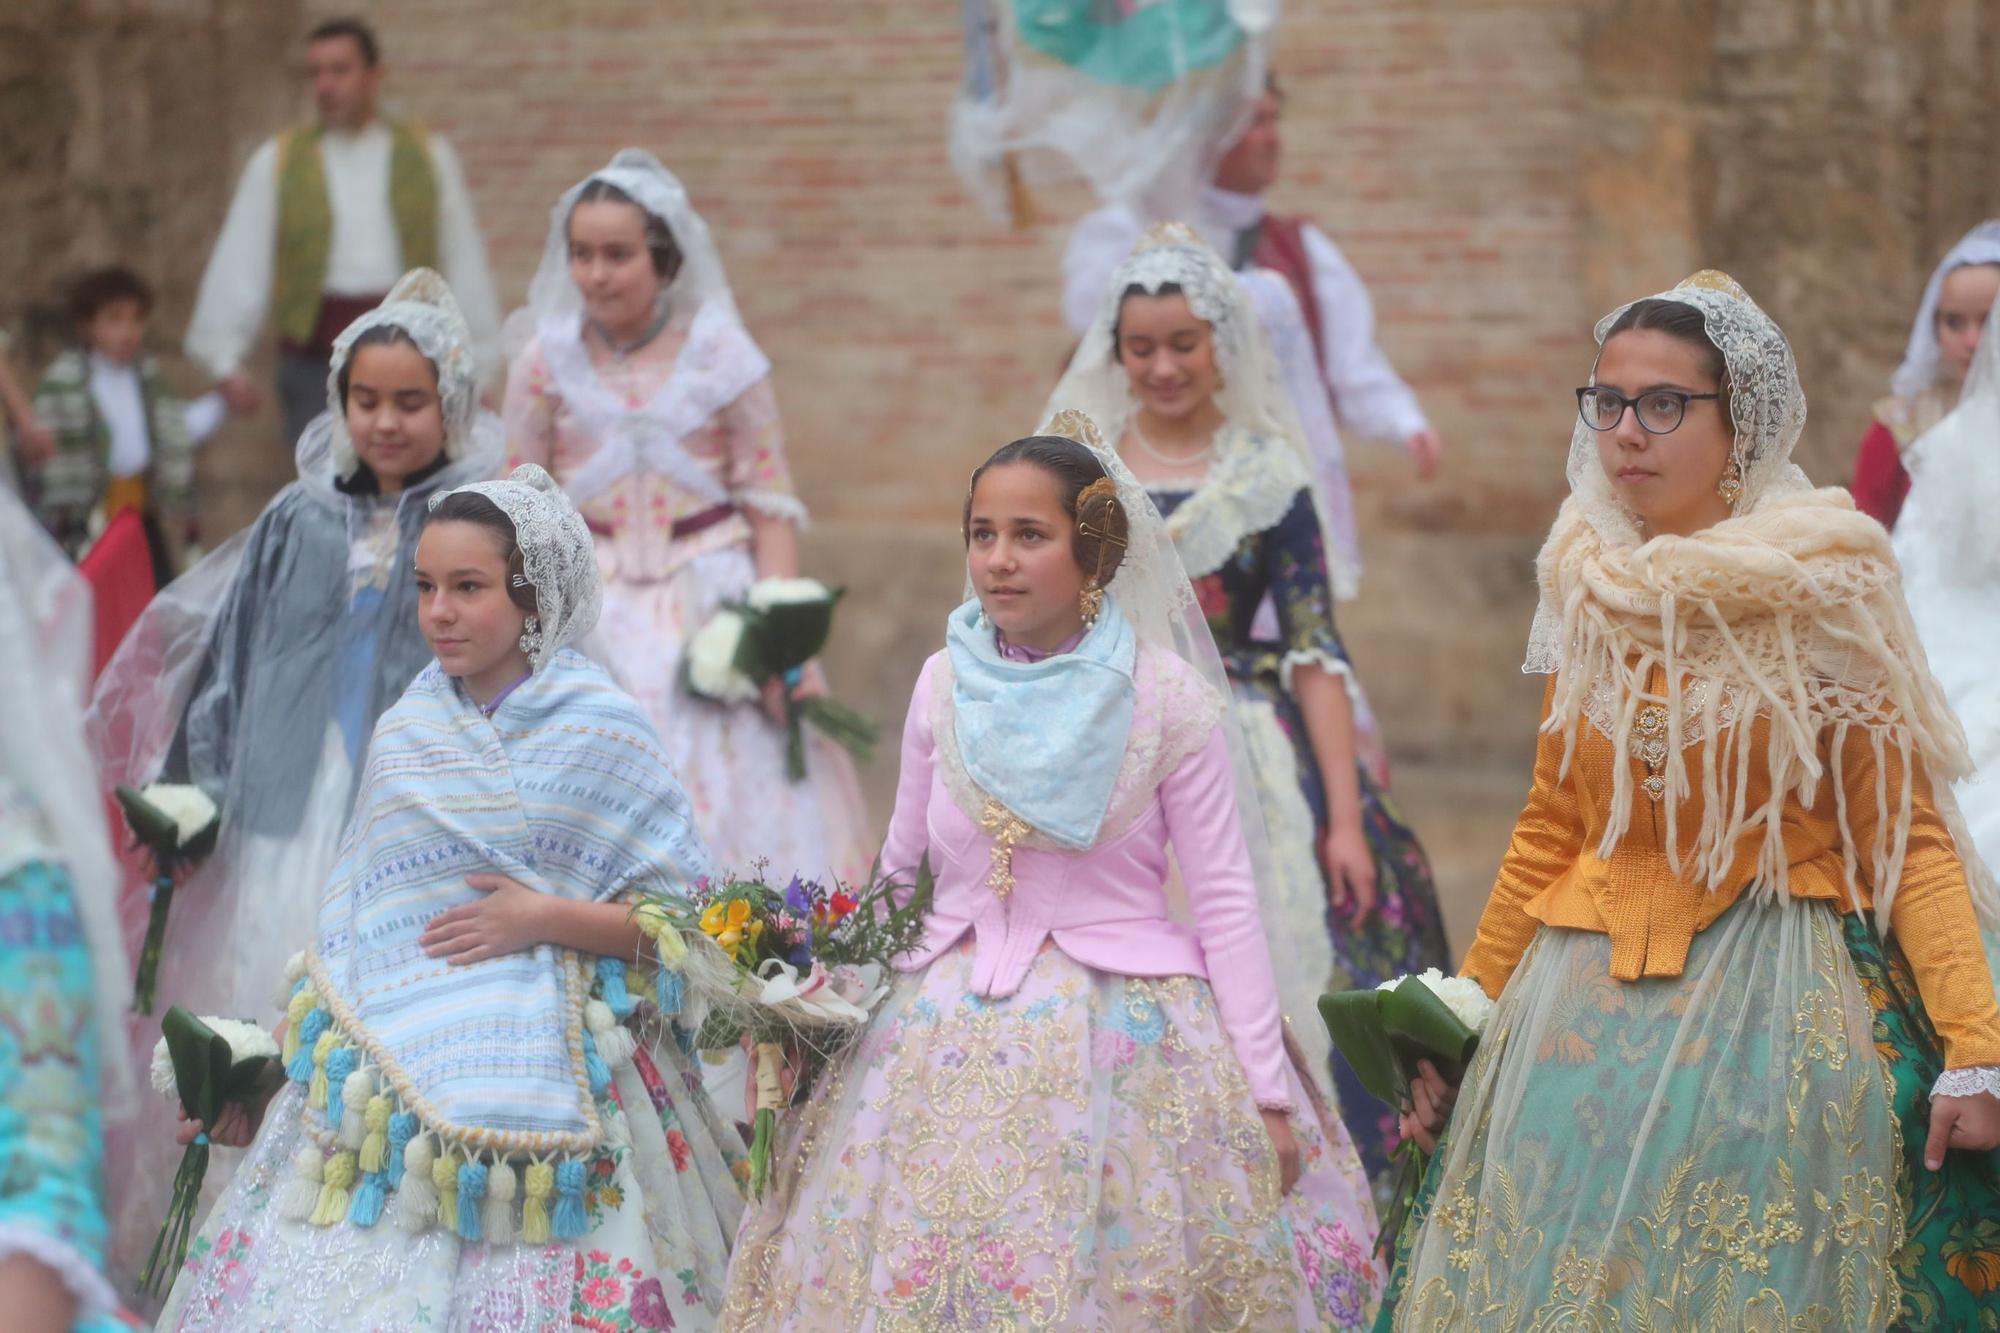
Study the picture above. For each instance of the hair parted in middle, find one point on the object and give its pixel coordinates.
(1088, 495)
(472, 507)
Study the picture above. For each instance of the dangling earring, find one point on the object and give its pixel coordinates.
(984, 623)
(1221, 380)
(531, 637)
(1090, 601)
(1730, 488)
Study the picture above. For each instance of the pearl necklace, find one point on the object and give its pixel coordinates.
(1147, 448)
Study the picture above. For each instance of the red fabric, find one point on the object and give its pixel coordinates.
(119, 569)
(1880, 484)
(1281, 246)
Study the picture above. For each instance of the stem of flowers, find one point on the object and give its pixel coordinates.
(170, 1247)
(763, 1129)
(156, 934)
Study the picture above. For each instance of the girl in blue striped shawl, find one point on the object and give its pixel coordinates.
(484, 1127)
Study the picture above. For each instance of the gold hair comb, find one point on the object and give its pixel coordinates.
(1102, 489)
(1714, 280)
(1163, 234)
(1074, 425)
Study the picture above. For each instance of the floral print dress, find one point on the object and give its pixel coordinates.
(1286, 561)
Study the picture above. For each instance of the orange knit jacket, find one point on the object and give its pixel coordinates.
(1553, 876)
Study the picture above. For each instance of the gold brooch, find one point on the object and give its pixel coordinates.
(1007, 829)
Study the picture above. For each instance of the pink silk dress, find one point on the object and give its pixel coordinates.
(673, 544)
(1052, 1120)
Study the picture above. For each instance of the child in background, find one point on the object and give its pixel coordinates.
(29, 440)
(122, 441)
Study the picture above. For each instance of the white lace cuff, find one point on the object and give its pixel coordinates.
(1966, 1082)
(1326, 662)
(774, 504)
(94, 1297)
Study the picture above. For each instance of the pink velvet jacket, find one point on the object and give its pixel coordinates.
(1106, 907)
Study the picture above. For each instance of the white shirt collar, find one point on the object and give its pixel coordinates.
(1230, 209)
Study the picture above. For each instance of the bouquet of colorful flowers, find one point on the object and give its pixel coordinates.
(178, 825)
(771, 634)
(1383, 1032)
(808, 964)
(203, 1064)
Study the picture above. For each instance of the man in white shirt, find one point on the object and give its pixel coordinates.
(326, 217)
(1367, 396)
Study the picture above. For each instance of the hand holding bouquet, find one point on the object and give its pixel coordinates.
(1384, 1032)
(204, 1064)
(808, 966)
(177, 824)
(770, 636)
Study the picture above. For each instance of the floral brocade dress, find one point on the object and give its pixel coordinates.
(1024, 1139)
(673, 545)
(1285, 561)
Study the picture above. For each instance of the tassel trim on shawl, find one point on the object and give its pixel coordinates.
(374, 1153)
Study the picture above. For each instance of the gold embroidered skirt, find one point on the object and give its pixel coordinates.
(1714, 1150)
(1084, 1154)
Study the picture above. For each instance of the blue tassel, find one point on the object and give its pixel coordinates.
(339, 1064)
(611, 980)
(301, 1068)
(369, 1200)
(298, 986)
(594, 1066)
(402, 1128)
(670, 989)
(471, 1192)
(568, 1221)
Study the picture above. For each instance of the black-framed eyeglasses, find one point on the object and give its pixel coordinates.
(1659, 410)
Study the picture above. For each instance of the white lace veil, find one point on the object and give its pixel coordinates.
(1919, 370)
(1141, 101)
(1152, 589)
(46, 642)
(1767, 407)
(557, 553)
(553, 299)
(1949, 549)
(422, 306)
(1251, 395)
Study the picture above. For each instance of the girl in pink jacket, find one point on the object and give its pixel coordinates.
(1075, 1109)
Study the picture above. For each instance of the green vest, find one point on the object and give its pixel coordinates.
(305, 220)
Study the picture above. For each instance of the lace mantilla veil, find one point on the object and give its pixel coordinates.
(557, 553)
(1919, 370)
(1251, 396)
(1152, 588)
(555, 304)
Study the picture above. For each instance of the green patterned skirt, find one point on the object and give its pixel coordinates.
(1680, 1160)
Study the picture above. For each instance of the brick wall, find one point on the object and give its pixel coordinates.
(1501, 173)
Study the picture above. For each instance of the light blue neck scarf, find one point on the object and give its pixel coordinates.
(1046, 739)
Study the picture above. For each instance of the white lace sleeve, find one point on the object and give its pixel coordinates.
(1966, 1082)
(94, 1297)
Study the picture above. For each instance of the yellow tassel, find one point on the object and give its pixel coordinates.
(295, 1014)
(375, 1148)
(444, 1175)
(338, 1175)
(539, 1185)
(316, 1090)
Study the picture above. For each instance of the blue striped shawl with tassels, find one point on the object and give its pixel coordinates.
(565, 789)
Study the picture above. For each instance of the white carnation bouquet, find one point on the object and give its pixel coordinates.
(781, 625)
(178, 824)
(1383, 1032)
(202, 1065)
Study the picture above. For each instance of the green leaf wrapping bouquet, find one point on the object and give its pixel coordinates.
(781, 625)
(178, 825)
(1383, 1033)
(203, 1064)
